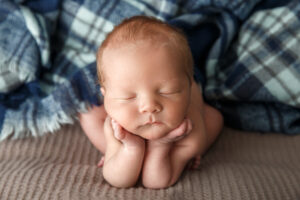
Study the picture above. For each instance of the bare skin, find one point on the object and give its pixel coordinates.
(153, 121)
(161, 160)
(166, 161)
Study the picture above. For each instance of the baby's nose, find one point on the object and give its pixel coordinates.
(150, 106)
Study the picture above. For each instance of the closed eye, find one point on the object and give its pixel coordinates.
(169, 92)
(126, 98)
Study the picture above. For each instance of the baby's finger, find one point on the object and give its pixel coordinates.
(180, 130)
(197, 161)
(189, 126)
(189, 165)
(184, 128)
(118, 132)
(108, 131)
(101, 162)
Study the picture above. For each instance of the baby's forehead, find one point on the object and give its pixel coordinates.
(140, 49)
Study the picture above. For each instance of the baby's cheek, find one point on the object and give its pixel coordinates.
(176, 115)
(126, 118)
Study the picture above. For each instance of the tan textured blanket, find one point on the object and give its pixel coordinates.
(238, 166)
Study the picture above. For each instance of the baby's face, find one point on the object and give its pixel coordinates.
(145, 90)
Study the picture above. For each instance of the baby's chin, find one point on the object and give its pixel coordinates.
(152, 132)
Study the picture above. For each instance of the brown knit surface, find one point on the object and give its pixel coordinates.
(238, 166)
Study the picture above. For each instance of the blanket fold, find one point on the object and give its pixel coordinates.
(246, 52)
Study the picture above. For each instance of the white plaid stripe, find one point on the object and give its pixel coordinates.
(140, 6)
(164, 7)
(266, 21)
(35, 30)
(278, 14)
(292, 84)
(263, 64)
(76, 52)
(280, 82)
(274, 57)
(9, 81)
(55, 78)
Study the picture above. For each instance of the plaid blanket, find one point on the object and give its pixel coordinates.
(246, 51)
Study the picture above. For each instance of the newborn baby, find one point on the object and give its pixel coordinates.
(153, 120)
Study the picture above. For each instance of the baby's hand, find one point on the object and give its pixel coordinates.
(101, 162)
(194, 163)
(128, 139)
(178, 133)
(117, 137)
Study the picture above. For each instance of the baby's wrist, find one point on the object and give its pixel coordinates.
(137, 147)
(157, 144)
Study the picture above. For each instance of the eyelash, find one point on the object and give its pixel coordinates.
(160, 93)
(127, 99)
(169, 93)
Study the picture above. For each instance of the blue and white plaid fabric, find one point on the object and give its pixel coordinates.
(256, 83)
(246, 50)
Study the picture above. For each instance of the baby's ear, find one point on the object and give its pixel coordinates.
(102, 89)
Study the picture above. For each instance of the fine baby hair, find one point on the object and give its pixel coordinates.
(139, 29)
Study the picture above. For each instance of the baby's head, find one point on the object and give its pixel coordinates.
(145, 68)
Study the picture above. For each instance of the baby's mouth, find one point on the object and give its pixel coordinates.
(150, 124)
(152, 120)
(153, 123)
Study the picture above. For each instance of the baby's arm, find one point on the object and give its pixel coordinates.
(164, 163)
(123, 157)
(92, 123)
